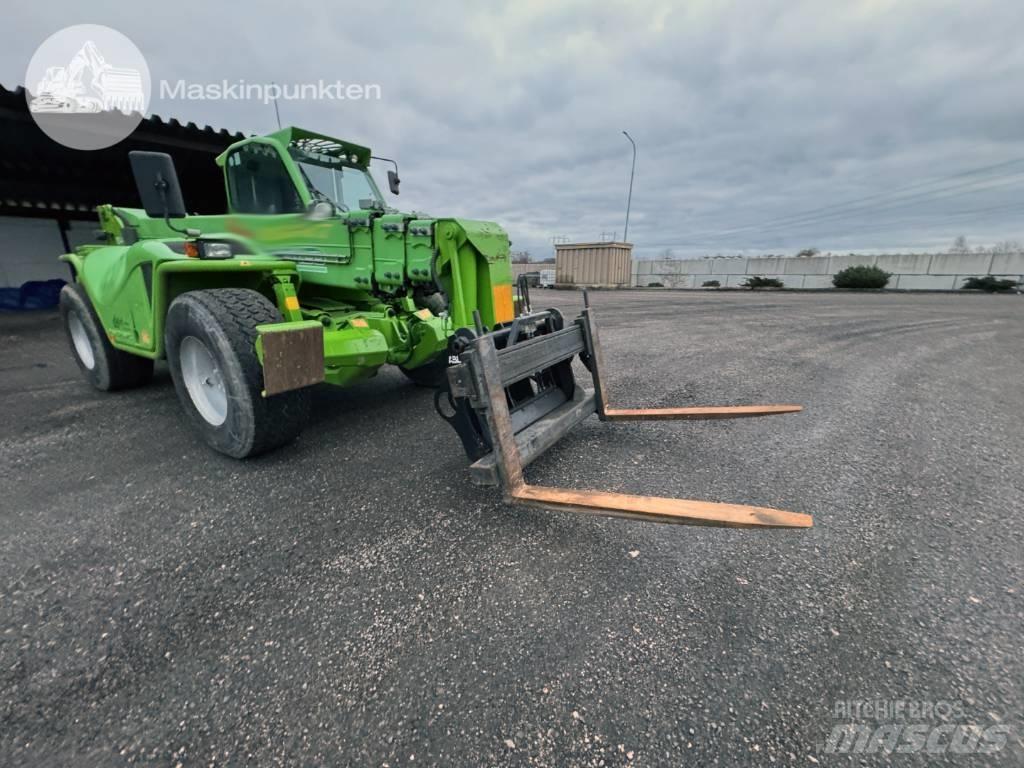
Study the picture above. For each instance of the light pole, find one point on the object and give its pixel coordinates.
(629, 198)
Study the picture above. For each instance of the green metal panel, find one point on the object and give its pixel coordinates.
(119, 289)
(419, 251)
(359, 228)
(389, 251)
(489, 239)
(474, 259)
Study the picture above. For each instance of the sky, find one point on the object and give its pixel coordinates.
(763, 126)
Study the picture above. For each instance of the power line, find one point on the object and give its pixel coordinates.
(936, 195)
(905, 220)
(932, 195)
(916, 219)
(858, 204)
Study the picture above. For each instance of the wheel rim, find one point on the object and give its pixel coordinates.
(83, 348)
(203, 380)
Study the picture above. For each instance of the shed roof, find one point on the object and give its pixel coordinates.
(39, 177)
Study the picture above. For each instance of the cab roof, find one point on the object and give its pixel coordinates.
(313, 143)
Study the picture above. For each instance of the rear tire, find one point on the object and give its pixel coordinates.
(105, 367)
(432, 374)
(211, 351)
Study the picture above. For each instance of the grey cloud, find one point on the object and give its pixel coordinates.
(743, 112)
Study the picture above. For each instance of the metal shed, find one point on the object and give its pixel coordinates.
(594, 265)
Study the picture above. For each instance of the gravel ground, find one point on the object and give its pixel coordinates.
(354, 600)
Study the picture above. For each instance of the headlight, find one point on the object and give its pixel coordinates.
(216, 250)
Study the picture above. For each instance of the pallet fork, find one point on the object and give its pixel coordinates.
(511, 396)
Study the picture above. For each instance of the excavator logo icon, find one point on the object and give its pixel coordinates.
(87, 86)
(65, 89)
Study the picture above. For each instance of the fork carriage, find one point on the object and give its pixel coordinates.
(512, 395)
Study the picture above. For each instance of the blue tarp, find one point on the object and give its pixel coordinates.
(35, 294)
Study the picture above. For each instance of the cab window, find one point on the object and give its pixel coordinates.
(258, 182)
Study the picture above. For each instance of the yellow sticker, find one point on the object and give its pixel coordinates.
(358, 322)
(144, 337)
(424, 314)
(291, 302)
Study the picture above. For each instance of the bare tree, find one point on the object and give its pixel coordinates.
(1007, 246)
(672, 275)
(960, 245)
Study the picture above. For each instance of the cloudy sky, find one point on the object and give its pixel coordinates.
(762, 126)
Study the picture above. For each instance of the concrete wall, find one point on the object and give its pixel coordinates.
(29, 248)
(939, 271)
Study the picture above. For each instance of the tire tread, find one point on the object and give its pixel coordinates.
(123, 369)
(278, 419)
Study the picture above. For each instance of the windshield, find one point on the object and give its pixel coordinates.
(349, 188)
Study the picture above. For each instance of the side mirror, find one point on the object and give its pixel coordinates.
(158, 186)
(393, 182)
(320, 210)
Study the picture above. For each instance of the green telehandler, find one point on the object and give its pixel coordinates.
(310, 278)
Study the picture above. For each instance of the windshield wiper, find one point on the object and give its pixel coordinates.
(317, 194)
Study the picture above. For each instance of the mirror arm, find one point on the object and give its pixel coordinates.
(386, 160)
(161, 187)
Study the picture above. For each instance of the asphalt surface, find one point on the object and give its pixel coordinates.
(354, 600)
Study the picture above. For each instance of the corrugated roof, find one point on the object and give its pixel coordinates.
(39, 177)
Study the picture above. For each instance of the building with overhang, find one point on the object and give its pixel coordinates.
(48, 192)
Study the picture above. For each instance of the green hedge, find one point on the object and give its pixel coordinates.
(861, 277)
(757, 281)
(989, 283)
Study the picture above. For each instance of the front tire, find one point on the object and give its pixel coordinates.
(103, 366)
(211, 350)
(432, 374)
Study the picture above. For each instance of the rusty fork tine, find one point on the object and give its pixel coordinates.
(698, 413)
(658, 509)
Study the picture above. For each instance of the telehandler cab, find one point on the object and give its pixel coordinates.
(311, 278)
